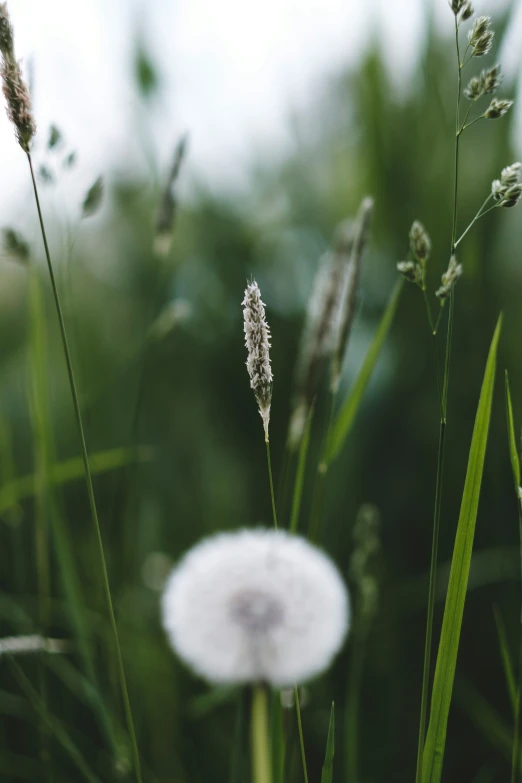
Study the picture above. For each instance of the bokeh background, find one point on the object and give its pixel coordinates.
(293, 113)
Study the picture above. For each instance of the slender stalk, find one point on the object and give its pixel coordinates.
(479, 214)
(272, 495)
(261, 764)
(353, 699)
(434, 345)
(88, 479)
(515, 767)
(443, 401)
(301, 736)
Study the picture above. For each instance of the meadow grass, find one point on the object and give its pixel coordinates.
(275, 741)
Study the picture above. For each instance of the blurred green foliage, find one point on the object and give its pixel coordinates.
(185, 397)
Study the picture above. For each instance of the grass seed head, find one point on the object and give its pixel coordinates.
(497, 108)
(449, 279)
(257, 341)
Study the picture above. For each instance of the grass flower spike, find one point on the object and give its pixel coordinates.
(257, 341)
(15, 90)
(256, 606)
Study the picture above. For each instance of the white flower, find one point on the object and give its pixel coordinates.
(256, 606)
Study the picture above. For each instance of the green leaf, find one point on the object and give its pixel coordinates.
(327, 773)
(346, 416)
(301, 468)
(453, 612)
(69, 470)
(512, 441)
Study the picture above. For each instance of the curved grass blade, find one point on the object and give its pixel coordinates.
(345, 417)
(68, 470)
(515, 467)
(512, 441)
(433, 756)
(301, 468)
(327, 773)
(507, 663)
(55, 725)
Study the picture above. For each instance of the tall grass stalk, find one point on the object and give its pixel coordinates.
(443, 402)
(515, 467)
(272, 496)
(88, 479)
(38, 406)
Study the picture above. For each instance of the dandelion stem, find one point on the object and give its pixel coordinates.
(272, 495)
(301, 737)
(261, 764)
(88, 479)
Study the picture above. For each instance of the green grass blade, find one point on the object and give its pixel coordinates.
(515, 467)
(327, 773)
(346, 416)
(301, 469)
(452, 621)
(55, 725)
(507, 663)
(512, 441)
(71, 469)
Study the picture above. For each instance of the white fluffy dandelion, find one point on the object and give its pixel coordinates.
(256, 606)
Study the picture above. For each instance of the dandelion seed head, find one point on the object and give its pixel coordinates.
(256, 606)
(257, 341)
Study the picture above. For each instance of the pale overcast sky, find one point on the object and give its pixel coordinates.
(232, 72)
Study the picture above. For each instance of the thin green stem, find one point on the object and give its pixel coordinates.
(479, 214)
(515, 766)
(431, 602)
(443, 400)
(272, 495)
(301, 737)
(464, 126)
(434, 345)
(477, 119)
(261, 764)
(457, 138)
(88, 480)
